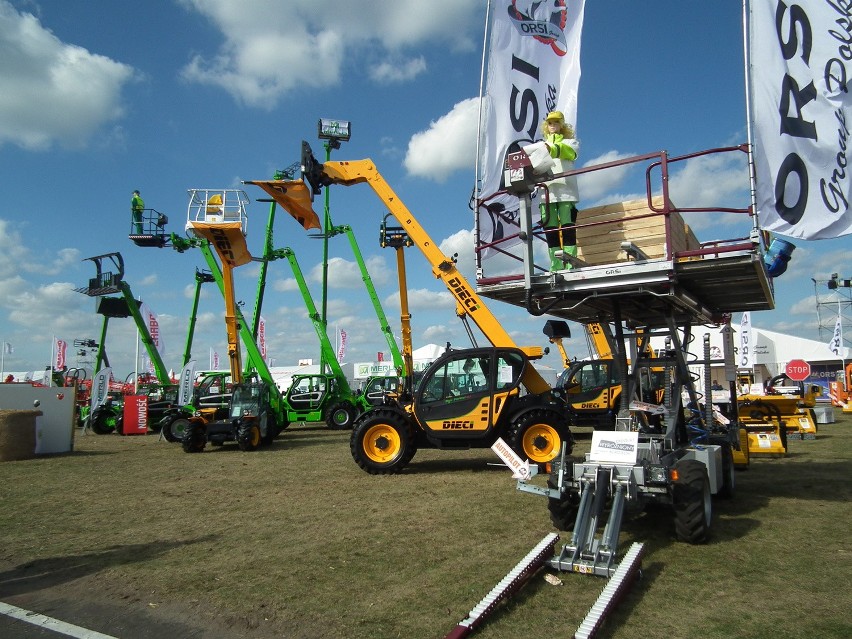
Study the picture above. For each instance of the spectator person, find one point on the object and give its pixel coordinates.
(558, 206)
(137, 205)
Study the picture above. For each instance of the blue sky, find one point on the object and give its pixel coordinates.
(101, 97)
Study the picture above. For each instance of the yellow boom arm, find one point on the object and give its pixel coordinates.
(359, 171)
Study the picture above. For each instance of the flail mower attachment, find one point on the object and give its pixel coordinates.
(623, 577)
(525, 568)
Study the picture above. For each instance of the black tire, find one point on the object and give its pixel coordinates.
(693, 506)
(382, 442)
(272, 431)
(194, 440)
(538, 436)
(175, 430)
(248, 437)
(341, 416)
(729, 479)
(563, 510)
(104, 422)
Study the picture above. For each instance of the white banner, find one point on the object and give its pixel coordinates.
(836, 342)
(186, 383)
(746, 354)
(100, 387)
(533, 68)
(59, 361)
(341, 348)
(153, 327)
(261, 337)
(801, 64)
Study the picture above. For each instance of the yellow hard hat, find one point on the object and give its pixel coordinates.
(555, 115)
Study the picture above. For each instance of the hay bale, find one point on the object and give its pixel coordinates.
(18, 434)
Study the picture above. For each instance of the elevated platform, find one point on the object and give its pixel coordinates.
(158, 240)
(644, 293)
(638, 262)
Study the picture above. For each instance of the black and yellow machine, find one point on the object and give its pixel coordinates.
(469, 397)
(219, 216)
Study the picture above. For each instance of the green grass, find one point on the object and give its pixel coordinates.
(297, 541)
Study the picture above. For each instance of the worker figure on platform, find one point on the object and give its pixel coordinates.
(137, 206)
(558, 204)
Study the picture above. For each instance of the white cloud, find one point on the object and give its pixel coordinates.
(285, 285)
(53, 92)
(266, 51)
(805, 306)
(460, 244)
(596, 184)
(449, 144)
(719, 180)
(345, 274)
(423, 300)
(388, 72)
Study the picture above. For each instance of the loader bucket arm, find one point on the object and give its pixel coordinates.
(396, 356)
(325, 344)
(444, 268)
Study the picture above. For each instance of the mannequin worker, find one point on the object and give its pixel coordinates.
(137, 205)
(558, 205)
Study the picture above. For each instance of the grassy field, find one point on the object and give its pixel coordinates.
(297, 541)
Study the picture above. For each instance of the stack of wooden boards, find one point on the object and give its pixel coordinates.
(601, 243)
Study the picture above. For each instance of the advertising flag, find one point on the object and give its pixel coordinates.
(836, 342)
(261, 337)
(800, 61)
(8, 349)
(100, 387)
(60, 347)
(746, 354)
(533, 68)
(215, 363)
(380, 356)
(186, 383)
(153, 325)
(341, 349)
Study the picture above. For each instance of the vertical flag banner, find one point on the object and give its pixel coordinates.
(186, 383)
(533, 68)
(61, 347)
(341, 349)
(261, 337)
(100, 387)
(8, 349)
(153, 325)
(746, 355)
(380, 356)
(215, 361)
(836, 342)
(800, 69)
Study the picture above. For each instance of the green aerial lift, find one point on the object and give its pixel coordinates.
(107, 418)
(328, 398)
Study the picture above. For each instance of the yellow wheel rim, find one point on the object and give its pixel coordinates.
(255, 436)
(382, 443)
(541, 443)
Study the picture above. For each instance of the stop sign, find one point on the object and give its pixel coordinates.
(798, 370)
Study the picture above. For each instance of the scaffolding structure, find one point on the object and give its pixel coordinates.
(833, 298)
